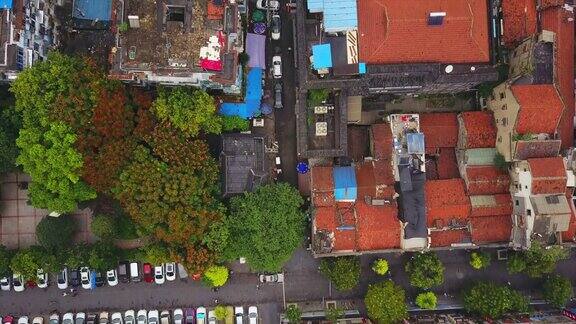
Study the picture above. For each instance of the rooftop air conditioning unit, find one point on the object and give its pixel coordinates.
(258, 122)
(134, 21)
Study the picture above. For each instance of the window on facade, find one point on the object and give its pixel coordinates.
(517, 203)
(499, 139)
(504, 107)
(552, 200)
(504, 121)
(525, 187)
(502, 95)
(529, 212)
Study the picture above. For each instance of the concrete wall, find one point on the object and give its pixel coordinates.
(505, 108)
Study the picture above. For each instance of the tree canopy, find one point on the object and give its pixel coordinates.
(27, 261)
(10, 124)
(56, 233)
(557, 290)
(479, 260)
(103, 256)
(538, 260)
(492, 300)
(344, 272)
(425, 270)
(216, 276)
(386, 302)
(5, 257)
(267, 226)
(104, 226)
(293, 314)
(426, 300)
(380, 266)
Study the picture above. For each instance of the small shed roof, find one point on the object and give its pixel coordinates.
(345, 187)
(339, 15)
(5, 4)
(322, 56)
(480, 156)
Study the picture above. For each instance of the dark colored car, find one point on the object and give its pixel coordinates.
(74, 278)
(124, 271)
(148, 272)
(91, 319)
(99, 279)
(189, 316)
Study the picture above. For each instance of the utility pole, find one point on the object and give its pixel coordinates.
(284, 292)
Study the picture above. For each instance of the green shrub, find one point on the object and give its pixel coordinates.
(317, 96)
(426, 300)
(293, 314)
(386, 302)
(123, 27)
(56, 233)
(479, 260)
(104, 226)
(425, 270)
(492, 300)
(235, 123)
(557, 291)
(380, 266)
(243, 58)
(220, 312)
(344, 272)
(215, 276)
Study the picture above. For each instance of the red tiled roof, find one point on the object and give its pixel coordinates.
(325, 219)
(322, 186)
(447, 165)
(486, 180)
(446, 200)
(381, 141)
(557, 20)
(447, 238)
(440, 130)
(502, 206)
(397, 31)
(378, 227)
(540, 108)
(536, 149)
(214, 12)
(519, 19)
(375, 179)
(491, 229)
(548, 175)
(480, 129)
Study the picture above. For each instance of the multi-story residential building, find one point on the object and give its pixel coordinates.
(28, 30)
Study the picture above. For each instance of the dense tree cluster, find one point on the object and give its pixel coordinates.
(386, 302)
(425, 270)
(344, 272)
(557, 290)
(538, 260)
(492, 300)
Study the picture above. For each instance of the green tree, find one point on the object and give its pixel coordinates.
(492, 300)
(189, 110)
(220, 312)
(479, 260)
(49, 157)
(104, 226)
(380, 266)
(5, 257)
(386, 302)
(103, 256)
(235, 123)
(293, 314)
(427, 300)
(317, 96)
(76, 256)
(156, 254)
(216, 276)
(344, 272)
(538, 260)
(557, 290)
(56, 233)
(334, 314)
(267, 226)
(26, 262)
(10, 124)
(425, 270)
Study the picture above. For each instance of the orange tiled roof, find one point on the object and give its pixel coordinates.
(322, 186)
(378, 227)
(540, 108)
(447, 165)
(480, 129)
(382, 141)
(502, 206)
(548, 175)
(491, 229)
(396, 31)
(447, 238)
(486, 180)
(446, 200)
(440, 130)
(557, 20)
(519, 19)
(214, 12)
(325, 219)
(375, 179)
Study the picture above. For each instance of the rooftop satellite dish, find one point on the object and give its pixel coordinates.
(449, 68)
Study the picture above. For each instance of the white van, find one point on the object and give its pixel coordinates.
(135, 272)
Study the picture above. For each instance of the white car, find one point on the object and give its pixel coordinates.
(273, 5)
(18, 282)
(85, 278)
(177, 316)
(275, 27)
(153, 317)
(54, 319)
(102, 318)
(277, 277)
(23, 320)
(159, 275)
(252, 315)
(277, 66)
(212, 317)
(170, 271)
(62, 279)
(112, 277)
(129, 317)
(38, 320)
(239, 314)
(68, 318)
(5, 284)
(80, 318)
(142, 317)
(41, 278)
(116, 318)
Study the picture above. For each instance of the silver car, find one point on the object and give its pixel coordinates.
(278, 95)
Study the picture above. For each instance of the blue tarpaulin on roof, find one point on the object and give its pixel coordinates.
(322, 56)
(251, 105)
(339, 15)
(5, 4)
(345, 188)
(98, 10)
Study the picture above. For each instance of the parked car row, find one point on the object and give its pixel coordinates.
(200, 315)
(89, 279)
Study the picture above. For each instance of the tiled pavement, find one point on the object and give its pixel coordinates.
(18, 219)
